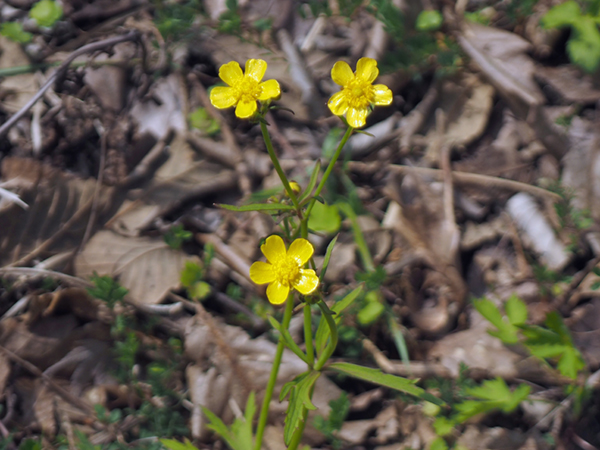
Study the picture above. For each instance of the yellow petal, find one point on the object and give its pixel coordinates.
(245, 108)
(382, 95)
(357, 117)
(338, 103)
(262, 273)
(273, 249)
(269, 89)
(223, 97)
(301, 250)
(366, 69)
(256, 68)
(341, 73)
(307, 282)
(277, 293)
(231, 73)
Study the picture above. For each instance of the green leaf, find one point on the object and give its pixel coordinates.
(584, 45)
(490, 395)
(391, 381)
(327, 258)
(516, 310)
(370, 312)
(311, 183)
(191, 274)
(443, 426)
(275, 207)
(330, 143)
(506, 331)
(219, 427)
(46, 13)
(176, 445)
(300, 401)
(562, 15)
(323, 332)
(14, 32)
(571, 363)
(324, 218)
(430, 20)
(199, 290)
(201, 120)
(438, 444)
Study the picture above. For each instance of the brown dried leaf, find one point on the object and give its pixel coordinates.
(59, 209)
(149, 268)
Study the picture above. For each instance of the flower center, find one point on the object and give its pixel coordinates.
(286, 270)
(248, 89)
(358, 93)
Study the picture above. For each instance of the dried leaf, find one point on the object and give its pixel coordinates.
(149, 268)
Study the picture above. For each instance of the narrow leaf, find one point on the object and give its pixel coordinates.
(258, 207)
(311, 183)
(391, 381)
(323, 332)
(327, 257)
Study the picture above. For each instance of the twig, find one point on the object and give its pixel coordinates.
(466, 178)
(33, 272)
(232, 259)
(94, 212)
(559, 302)
(300, 75)
(94, 46)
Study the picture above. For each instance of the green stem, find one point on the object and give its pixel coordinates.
(359, 237)
(326, 314)
(336, 155)
(264, 412)
(308, 337)
(278, 169)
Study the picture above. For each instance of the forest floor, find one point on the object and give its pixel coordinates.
(468, 215)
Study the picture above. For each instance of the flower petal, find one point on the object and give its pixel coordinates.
(338, 103)
(262, 272)
(382, 95)
(341, 73)
(245, 108)
(277, 292)
(231, 73)
(273, 249)
(301, 250)
(256, 68)
(307, 282)
(269, 89)
(357, 117)
(223, 97)
(366, 69)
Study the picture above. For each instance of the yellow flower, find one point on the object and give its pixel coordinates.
(243, 90)
(284, 269)
(358, 92)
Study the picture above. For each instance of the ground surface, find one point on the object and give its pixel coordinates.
(482, 179)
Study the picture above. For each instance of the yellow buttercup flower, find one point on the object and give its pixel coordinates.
(358, 93)
(284, 269)
(243, 90)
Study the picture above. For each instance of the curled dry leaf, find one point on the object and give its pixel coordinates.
(467, 104)
(59, 209)
(149, 268)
